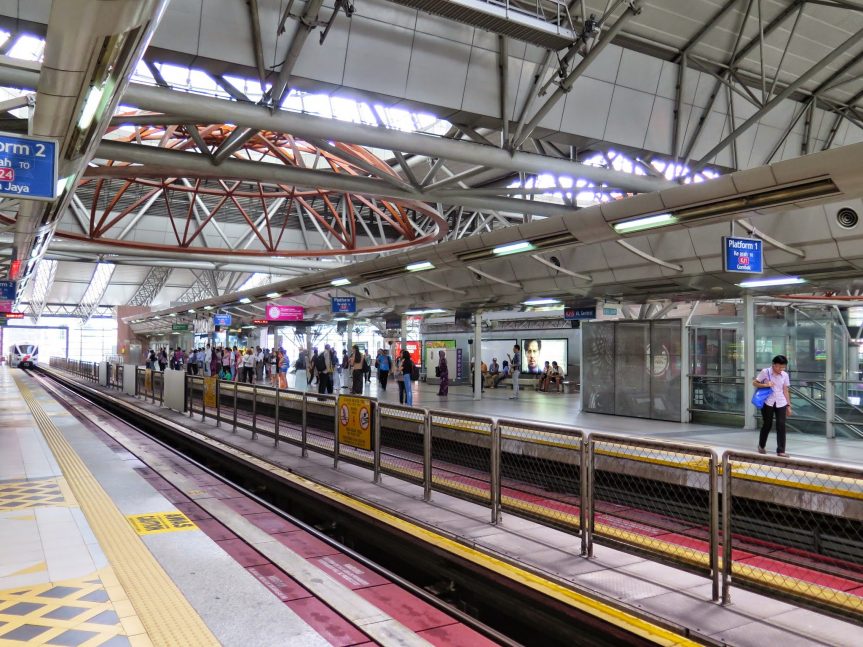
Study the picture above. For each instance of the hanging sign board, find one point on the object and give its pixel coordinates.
(28, 167)
(344, 304)
(8, 290)
(744, 255)
(180, 327)
(278, 312)
(355, 421)
(573, 314)
(222, 320)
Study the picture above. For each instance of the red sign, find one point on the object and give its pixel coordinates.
(12, 315)
(7, 174)
(278, 312)
(261, 322)
(415, 350)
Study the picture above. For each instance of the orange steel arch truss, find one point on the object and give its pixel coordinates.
(116, 194)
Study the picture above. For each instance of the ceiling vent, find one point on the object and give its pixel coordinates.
(847, 218)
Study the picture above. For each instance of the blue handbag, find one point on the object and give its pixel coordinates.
(760, 396)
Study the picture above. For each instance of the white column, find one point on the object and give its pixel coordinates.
(829, 387)
(477, 354)
(749, 419)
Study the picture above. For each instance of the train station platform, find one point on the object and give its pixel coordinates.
(102, 548)
(626, 587)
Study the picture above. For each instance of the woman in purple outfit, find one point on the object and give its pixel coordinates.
(443, 373)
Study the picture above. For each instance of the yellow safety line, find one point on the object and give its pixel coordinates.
(796, 485)
(167, 616)
(584, 603)
(699, 464)
(799, 587)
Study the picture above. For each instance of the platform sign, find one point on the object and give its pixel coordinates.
(355, 421)
(344, 304)
(28, 167)
(8, 290)
(744, 255)
(180, 327)
(210, 386)
(574, 314)
(221, 320)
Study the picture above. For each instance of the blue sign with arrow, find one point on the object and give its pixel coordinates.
(28, 167)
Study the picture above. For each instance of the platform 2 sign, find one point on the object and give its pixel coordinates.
(743, 255)
(8, 290)
(355, 421)
(28, 167)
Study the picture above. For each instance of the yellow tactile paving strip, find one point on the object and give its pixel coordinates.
(18, 495)
(166, 616)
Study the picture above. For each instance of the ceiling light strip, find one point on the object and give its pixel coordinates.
(490, 277)
(648, 257)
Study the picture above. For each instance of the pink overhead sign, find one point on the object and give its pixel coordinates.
(277, 312)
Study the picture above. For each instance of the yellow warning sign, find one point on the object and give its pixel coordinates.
(150, 524)
(210, 386)
(355, 421)
(148, 380)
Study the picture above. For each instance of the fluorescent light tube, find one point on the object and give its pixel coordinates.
(273, 295)
(339, 282)
(648, 222)
(540, 302)
(245, 300)
(513, 248)
(208, 307)
(190, 310)
(419, 267)
(91, 104)
(766, 283)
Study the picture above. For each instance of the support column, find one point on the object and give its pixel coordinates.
(477, 355)
(829, 387)
(749, 413)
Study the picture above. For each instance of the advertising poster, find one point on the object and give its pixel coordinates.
(499, 348)
(431, 353)
(536, 351)
(355, 421)
(415, 350)
(278, 312)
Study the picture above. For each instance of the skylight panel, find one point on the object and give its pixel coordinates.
(27, 47)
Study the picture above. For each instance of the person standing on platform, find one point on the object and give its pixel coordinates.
(367, 367)
(259, 364)
(347, 370)
(249, 366)
(778, 403)
(215, 361)
(357, 361)
(337, 371)
(284, 364)
(226, 363)
(515, 369)
(407, 376)
(192, 364)
(208, 360)
(397, 376)
(300, 381)
(383, 366)
(442, 371)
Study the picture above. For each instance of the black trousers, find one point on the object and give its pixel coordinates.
(767, 412)
(357, 382)
(249, 374)
(382, 376)
(402, 393)
(325, 383)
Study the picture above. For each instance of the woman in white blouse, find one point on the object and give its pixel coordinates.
(778, 403)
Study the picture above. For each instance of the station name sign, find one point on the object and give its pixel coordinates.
(743, 255)
(28, 167)
(578, 314)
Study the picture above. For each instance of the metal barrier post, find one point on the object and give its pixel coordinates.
(427, 457)
(218, 402)
(585, 496)
(726, 529)
(713, 466)
(153, 386)
(376, 439)
(235, 408)
(203, 401)
(188, 395)
(304, 432)
(495, 473)
(335, 434)
(254, 411)
(590, 516)
(276, 416)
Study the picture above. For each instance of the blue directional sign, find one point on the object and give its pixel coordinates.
(344, 304)
(8, 290)
(28, 167)
(221, 320)
(573, 314)
(744, 255)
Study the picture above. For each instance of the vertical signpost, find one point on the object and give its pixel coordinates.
(28, 167)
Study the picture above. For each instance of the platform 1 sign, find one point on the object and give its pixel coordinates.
(355, 421)
(744, 255)
(344, 304)
(28, 167)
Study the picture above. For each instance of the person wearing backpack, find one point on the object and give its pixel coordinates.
(323, 368)
(407, 376)
(778, 403)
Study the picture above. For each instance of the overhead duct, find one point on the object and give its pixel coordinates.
(537, 243)
(90, 49)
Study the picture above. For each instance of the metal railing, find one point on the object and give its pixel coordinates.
(788, 527)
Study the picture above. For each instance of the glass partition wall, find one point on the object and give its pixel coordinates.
(800, 332)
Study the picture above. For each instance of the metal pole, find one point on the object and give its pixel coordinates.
(235, 408)
(218, 402)
(829, 384)
(188, 395)
(304, 449)
(726, 529)
(336, 434)
(585, 495)
(477, 356)
(254, 410)
(591, 521)
(376, 439)
(427, 456)
(203, 399)
(749, 413)
(276, 414)
(495, 473)
(714, 523)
